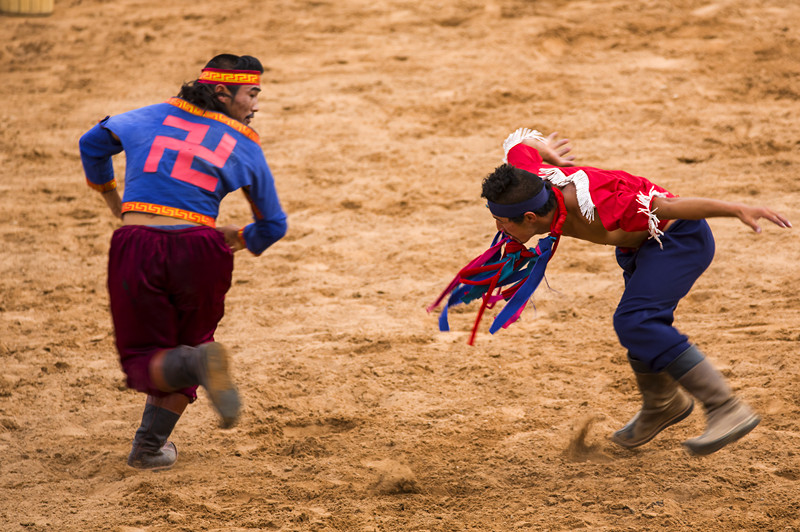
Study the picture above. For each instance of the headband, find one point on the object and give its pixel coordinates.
(518, 209)
(221, 76)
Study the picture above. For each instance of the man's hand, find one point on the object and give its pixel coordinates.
(231, 233)
(750, 216)
(553, 150)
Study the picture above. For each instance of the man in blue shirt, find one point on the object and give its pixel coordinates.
(169, 265)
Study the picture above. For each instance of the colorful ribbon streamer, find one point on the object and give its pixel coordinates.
(506, 271)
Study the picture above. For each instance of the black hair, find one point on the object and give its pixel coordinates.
(508, 185)
(202, 94)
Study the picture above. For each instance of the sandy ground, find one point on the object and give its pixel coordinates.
(379, 120)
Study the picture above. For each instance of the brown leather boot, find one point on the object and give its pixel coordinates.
(728, 418)
(663, 404)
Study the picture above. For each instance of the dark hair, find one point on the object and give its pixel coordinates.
(508, 185)
(202, 94)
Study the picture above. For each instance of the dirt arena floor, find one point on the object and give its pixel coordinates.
(379, 120)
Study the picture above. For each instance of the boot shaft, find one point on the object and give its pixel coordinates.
(183, 367)
(657, 389)
(707, 384)
(157, 424)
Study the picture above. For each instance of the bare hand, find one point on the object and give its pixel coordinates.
(750, 216)
(560, 149)
(553, 150)
(231, 233)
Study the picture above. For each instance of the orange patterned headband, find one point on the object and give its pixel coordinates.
(230, 77)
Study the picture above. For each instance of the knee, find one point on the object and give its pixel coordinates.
(630, 327)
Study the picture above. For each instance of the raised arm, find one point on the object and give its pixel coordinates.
(699, 208)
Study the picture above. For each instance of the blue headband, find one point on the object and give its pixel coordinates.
(518, 209)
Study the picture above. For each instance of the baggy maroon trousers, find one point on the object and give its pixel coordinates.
(167, 288)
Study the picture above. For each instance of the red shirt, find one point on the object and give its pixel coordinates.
(621, 200)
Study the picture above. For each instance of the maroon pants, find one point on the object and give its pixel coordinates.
(166, 288)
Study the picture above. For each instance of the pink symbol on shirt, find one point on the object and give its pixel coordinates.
(189, 149)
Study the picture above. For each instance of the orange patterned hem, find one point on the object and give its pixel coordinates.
(172, 212)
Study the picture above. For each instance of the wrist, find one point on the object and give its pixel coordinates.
(240, 238)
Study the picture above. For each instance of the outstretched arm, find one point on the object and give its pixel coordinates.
(553, 150)
(699, 208)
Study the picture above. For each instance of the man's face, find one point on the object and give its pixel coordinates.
(244, 104)
(521, 232)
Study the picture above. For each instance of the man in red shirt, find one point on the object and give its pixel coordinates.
(663, 244)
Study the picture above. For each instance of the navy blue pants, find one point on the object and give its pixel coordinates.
(655, 281)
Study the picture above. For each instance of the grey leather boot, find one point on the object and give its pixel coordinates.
(150, 449)
(663, 404)
(209, 366)
(728, 418)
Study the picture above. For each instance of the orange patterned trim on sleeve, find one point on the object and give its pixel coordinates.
(240, 233)
(219, 117)
(172, 212)
(105, 187)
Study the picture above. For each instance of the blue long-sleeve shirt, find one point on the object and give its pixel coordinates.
(181, 161)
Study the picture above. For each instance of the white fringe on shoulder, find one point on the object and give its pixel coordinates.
(555, 175)
(645, 200)
(518, 136)
(558, 178)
